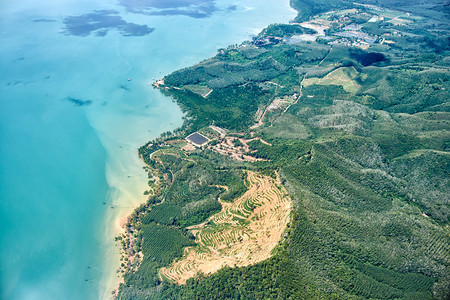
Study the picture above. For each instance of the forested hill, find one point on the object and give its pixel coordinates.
(342, 119)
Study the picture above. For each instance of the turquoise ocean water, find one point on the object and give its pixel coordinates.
(75, 104)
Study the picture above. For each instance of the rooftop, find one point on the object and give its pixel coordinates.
(197, 139)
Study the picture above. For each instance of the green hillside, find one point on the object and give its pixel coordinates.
(355, 125)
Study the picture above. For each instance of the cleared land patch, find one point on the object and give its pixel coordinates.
(244, 233)
(201, 90)
(344, 77)
(237, 148)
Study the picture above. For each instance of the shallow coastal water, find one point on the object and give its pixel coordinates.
(75, 104)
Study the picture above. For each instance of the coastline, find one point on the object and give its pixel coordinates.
(126, 195)
(79, 259)
(127, 181)
(125, 176)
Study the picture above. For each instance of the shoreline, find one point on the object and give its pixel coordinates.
(125, 176)
(118, 218)
(125, 197)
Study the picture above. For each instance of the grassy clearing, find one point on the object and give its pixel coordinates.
(201, 90)
(344, 77)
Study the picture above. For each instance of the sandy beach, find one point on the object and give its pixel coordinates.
(127, 194)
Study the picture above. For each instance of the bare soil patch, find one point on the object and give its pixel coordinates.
(245, 232)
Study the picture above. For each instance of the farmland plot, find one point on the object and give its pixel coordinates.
(244, 233)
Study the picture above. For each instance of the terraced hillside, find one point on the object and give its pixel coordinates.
(243, 233)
